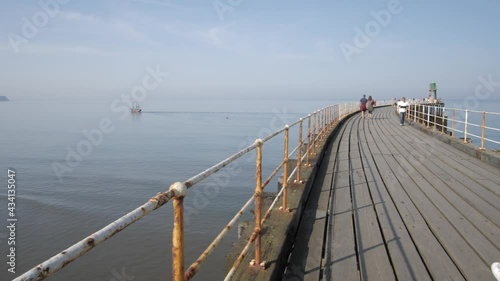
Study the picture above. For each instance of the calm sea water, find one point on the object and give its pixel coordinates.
(135, 158)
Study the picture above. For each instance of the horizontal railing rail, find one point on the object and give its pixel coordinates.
(319, 123)
(465, 123)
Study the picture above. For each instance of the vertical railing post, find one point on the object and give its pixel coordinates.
(465, 126)
(482, 130)
(453, 123)
(316, 131)
(323, 120)
(180, 191)
(258, 201)
(308, 140)
(325, 115)
(320, 123)
(442, 120)
(428, 116)
(329, 119)
(299, 153)
(423, 115)
(415, 113)
(313, 144)
(285, 170)
(418, 113)
(435, 116)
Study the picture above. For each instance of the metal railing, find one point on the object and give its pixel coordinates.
(465, 123)
(319, 123)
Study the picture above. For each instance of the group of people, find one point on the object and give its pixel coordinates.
(368, 104)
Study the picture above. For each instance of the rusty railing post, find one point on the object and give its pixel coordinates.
(320, 130)
(299, 153)
(178, 232)
(453, 123)
(258, 202)
(285, 170)
(482, 130)
(316, 131)
(308, 140)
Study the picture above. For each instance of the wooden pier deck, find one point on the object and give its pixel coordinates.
(392, 203)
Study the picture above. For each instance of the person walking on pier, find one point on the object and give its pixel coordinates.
(402, 105)
(369, 106)
(362, 105)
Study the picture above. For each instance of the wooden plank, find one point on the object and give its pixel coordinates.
(373, 258)
(436, 259)
(405, 258)
(490, 185)
(457, 247)
(341, 258)
(343, 263)
(458, 212)
(478, 187)
(306, 260)
(478, 197)
(447, 195)
(460, 160)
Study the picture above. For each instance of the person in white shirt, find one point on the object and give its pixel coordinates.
(402, 106)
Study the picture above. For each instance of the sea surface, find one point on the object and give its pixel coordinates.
(81, 165)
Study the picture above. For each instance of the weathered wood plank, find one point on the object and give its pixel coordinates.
(402, 206)
(437, 260)
(441, 216)
(374, 261)
(341, 256)
(405, 258)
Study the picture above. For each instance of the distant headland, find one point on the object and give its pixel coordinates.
(3, 98)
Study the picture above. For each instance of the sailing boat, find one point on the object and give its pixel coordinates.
(135, 108)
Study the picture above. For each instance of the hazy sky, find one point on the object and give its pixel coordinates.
(245, 49)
